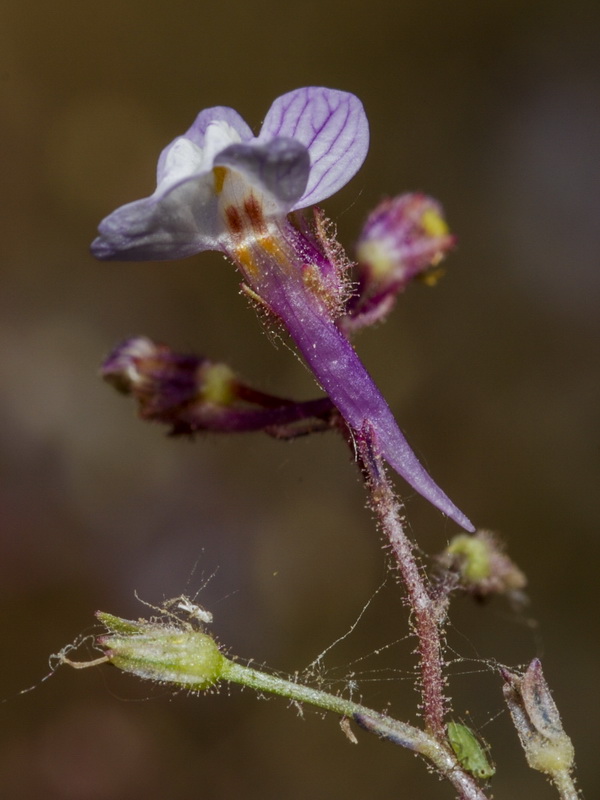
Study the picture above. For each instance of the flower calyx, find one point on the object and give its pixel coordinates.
(547, 747)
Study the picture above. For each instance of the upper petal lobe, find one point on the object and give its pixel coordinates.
(332, 125)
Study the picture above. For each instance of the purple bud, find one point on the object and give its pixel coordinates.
(192, 394)
(167, 385)
(404, 237)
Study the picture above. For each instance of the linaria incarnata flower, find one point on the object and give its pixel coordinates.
(221, 188)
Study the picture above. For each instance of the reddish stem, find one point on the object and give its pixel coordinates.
(425, 611)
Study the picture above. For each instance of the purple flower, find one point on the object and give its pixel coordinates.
(221, 188)
(311, 143)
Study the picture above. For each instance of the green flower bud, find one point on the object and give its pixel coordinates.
(481, 566)
(473, 557)
(164, 652)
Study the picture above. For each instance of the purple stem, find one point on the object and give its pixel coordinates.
(243, 420)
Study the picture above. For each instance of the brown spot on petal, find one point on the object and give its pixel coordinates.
(254, 213)
(234, 220)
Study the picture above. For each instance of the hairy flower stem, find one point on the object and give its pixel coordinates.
(425, 611)
(565, 786)
(393, 730)
(175, 653)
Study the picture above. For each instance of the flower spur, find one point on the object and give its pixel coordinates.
(220, 188)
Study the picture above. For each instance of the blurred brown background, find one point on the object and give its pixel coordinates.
(491, 107)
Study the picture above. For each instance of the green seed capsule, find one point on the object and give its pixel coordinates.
(470, 752)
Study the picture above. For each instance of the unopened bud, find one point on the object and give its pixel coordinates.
(547, 747)
(174, 388)
(165, 652)
(481, 565)
(191, 394)
(404, 237)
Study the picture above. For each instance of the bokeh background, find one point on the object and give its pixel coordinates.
(491, 107)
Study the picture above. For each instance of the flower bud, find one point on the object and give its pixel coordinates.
(192, 394)
(547, 747)
(481, 565)
(164, 652)
(404, 237)
(165, 382)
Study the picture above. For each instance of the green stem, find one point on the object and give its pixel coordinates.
(263, 682)
(174, 652)
(401, 733)
(566, 786)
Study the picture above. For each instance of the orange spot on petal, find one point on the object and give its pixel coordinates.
(220, 173)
